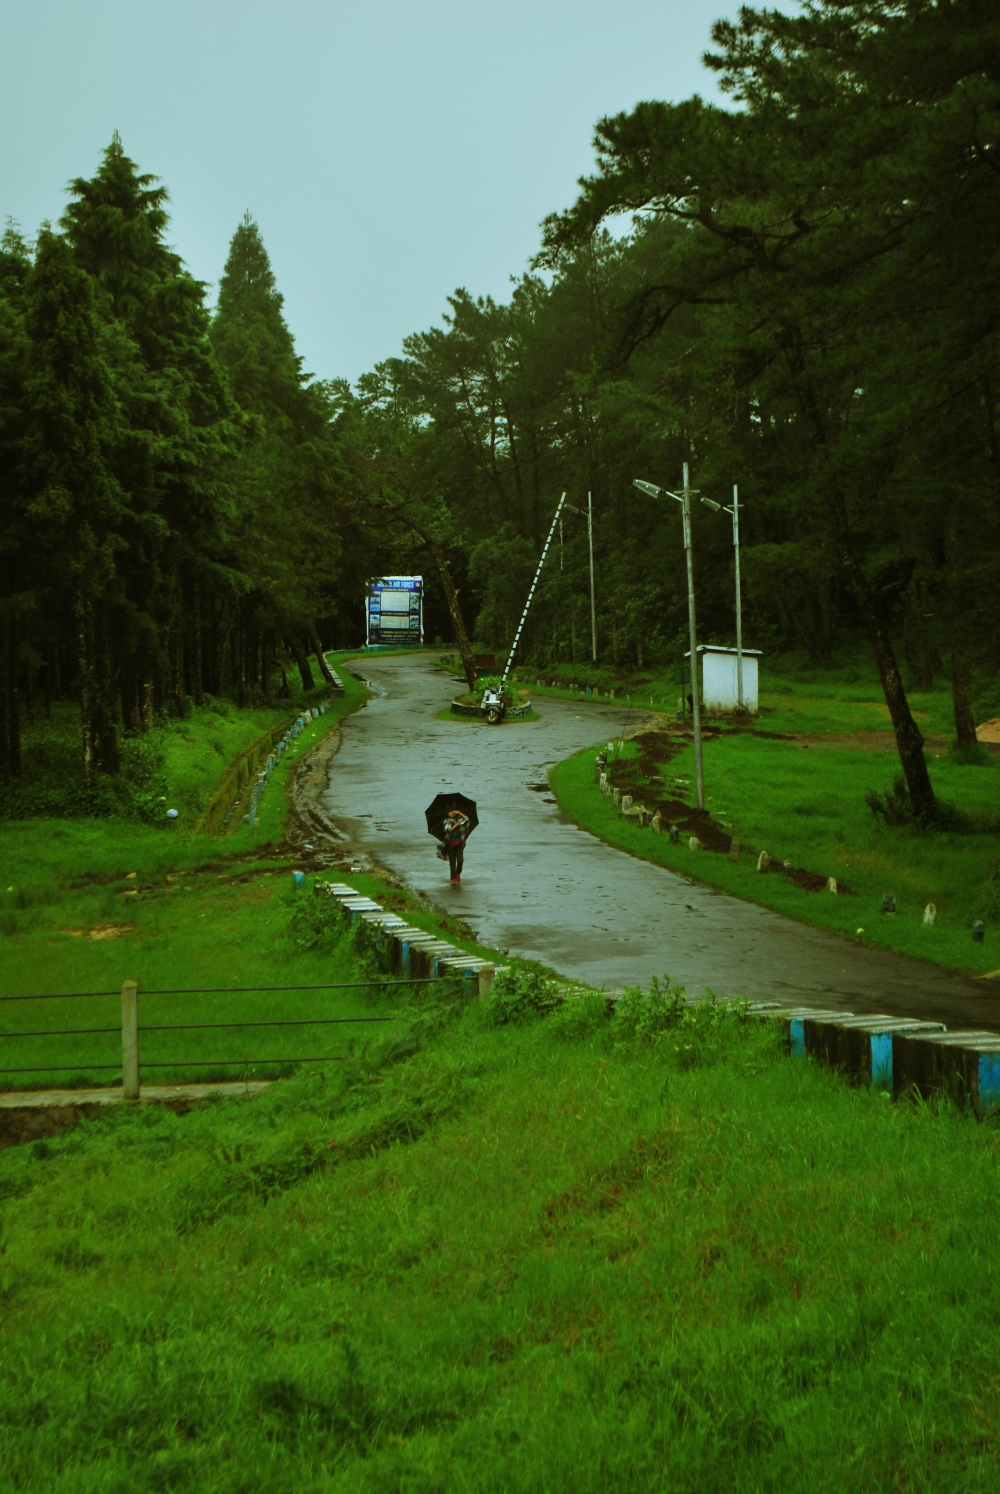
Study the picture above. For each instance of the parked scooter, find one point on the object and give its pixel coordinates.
(493, 706)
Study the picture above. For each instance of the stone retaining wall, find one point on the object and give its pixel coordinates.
(899, 1055)
(413, 952)
(34, 1115)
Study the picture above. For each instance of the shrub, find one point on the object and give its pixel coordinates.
(317, 922)
(895, 808)
(581, 1016)
(373, 950)
(644, 1016)
(142, 760)
(520, 996)
(661, 1017)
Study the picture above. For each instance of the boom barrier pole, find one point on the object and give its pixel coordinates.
(531, 593)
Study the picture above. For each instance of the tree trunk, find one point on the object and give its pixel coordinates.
(961, 694)
(110, 700)
(451, 597)
(921, 652)
(324, 667)
(130, 698)
(197, 681)
(10, 729)
(175, 645)
(236, 654)
(302, 660)
(909, 741)
(29, 690)
(89, 733)
(458, 621)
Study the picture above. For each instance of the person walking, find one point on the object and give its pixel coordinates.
(456, 830)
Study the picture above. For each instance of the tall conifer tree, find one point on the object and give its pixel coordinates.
(290, 473)
(77, 509)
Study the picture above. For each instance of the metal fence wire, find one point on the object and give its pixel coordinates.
(131, 1027)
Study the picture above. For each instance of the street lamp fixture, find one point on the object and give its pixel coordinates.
(684, 499)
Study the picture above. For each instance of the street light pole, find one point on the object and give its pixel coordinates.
(684, 499)
(735, 511)
(699, 775)
(593, 606)
(590, 541)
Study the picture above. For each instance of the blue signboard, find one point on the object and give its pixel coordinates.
(394, 611)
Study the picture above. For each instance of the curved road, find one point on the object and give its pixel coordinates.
(537, 886)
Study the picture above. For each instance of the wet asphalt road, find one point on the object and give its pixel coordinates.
(538, 887)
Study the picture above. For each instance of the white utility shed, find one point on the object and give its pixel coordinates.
(718, 678)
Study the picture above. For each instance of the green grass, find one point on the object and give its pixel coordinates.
(547, 1259)
(843, 698)
(223, 927)
(808, 806)
(181, 910)
(43, 853)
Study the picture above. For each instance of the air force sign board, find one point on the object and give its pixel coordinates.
(394, 611)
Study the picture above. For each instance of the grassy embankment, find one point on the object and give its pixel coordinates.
(806, 803)
(88, 903)
(548, 1257)
(466, 697)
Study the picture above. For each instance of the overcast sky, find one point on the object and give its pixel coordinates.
(389, 151)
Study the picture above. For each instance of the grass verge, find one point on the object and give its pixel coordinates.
(808, 806)
(843, 698)
(563, 1255)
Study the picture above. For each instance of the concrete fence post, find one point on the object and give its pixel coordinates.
(486, 974)
(130, 1040)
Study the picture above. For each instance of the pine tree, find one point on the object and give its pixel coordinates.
(289, 476)
(76, 511)
(251, 336)
(182, 427)
(16, 596)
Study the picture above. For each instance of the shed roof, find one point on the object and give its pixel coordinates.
(715, 648)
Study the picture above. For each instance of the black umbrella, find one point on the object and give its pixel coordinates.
(435, 813)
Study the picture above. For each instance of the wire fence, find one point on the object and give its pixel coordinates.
(130, 1028)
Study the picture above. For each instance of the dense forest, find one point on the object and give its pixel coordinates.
(170, 523)
(797, 294)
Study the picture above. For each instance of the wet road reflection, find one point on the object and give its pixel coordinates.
(539, 887)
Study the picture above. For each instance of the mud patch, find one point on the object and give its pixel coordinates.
(101, 931)
(641, 776)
